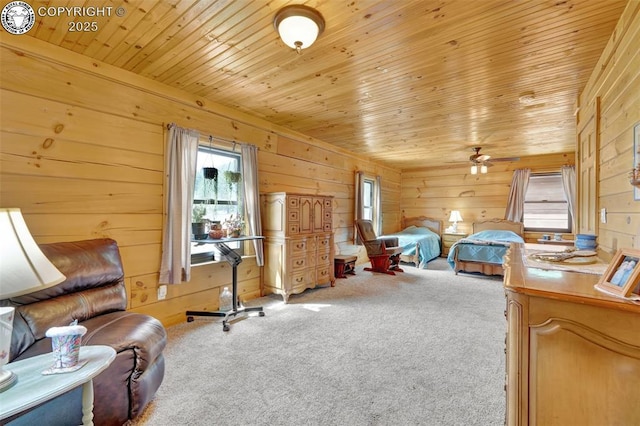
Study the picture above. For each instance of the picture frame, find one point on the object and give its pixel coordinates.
(622, 277)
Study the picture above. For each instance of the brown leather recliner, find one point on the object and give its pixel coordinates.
(94, 294)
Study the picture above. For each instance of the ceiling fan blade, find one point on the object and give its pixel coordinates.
(506, 159)
(479, 160)
(477, 157)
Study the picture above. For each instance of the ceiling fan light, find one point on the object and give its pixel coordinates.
(483, 169)
(474, 169)
(298, 26)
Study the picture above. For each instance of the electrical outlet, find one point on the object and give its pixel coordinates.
(162, 292)
(603, 215)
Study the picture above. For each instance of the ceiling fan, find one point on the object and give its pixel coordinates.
(478, 158)
(481, 161)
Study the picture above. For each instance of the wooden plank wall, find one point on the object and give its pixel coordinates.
(616, 81)
(434, 192)
(82, 154)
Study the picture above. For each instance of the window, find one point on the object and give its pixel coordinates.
(221, 198)
(367, 199)
(545, 205)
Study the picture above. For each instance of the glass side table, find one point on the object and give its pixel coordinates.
(34, 388)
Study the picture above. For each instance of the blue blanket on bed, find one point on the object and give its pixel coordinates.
(484, 246)
(428, 243)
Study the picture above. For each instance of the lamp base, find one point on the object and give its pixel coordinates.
(454, 227)
(7, 379)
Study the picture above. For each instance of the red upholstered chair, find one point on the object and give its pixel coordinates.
(384, 253)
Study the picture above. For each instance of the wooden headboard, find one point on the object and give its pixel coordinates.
(425, 222)
(499, 225)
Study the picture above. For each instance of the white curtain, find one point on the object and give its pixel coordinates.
(377, 207)
(569, 185)
(252, 196)
(180, 173)
(515, 203)
(359, 202)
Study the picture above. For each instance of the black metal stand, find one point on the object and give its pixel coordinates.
(234, 259)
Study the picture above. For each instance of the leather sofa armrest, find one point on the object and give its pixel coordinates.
(128, 330)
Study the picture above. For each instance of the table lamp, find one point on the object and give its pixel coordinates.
(24, 269)
(455, 218)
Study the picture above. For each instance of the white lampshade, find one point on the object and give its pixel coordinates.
(483, 169)
(23, 267)
(474, 169)
(455, 216)
(23, 270)
(298, 25)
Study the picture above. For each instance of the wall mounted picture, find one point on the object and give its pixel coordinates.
(622, 276)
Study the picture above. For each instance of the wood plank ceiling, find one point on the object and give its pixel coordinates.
(408, 83)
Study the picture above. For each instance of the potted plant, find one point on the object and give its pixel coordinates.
(198, 223)
(234, 226)
(211, 183)
(232, 178)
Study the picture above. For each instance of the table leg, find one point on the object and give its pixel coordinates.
(87, 403)
(234, 260)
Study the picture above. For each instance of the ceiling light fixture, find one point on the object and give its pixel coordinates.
(482, 167)
(298, 25)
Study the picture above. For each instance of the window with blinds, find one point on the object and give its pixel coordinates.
(545, 205)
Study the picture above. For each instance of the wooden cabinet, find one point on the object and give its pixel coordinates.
(448, 239)
(573, 353)
(298, 244)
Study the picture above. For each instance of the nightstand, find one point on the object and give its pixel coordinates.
(448, 239)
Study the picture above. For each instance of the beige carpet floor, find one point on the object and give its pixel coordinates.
(425, 347)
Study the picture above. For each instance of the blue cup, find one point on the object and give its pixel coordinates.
(586, 242)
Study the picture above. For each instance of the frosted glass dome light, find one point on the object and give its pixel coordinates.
(299, 26)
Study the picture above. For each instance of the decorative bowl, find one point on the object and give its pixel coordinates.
(216, 234)
(586, 241)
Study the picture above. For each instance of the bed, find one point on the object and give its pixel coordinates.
(483, 251)
(420, 240)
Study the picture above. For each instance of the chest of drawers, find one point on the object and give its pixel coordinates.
(298, 244)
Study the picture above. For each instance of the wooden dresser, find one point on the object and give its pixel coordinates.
(573, 353)
(298, 244)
